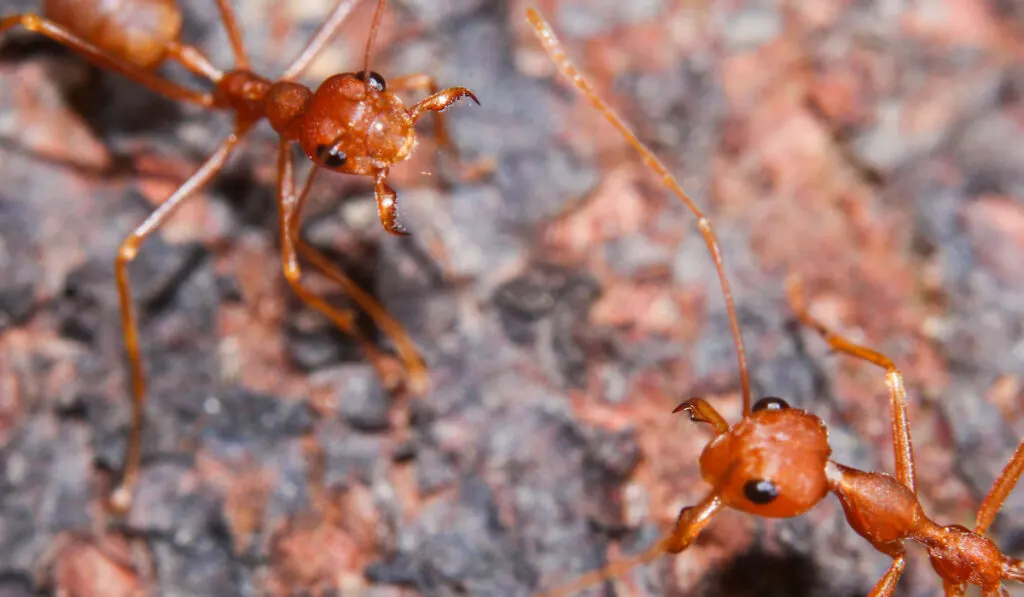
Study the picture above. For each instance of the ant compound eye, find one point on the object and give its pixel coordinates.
(331, 157)
(761, 491)
(770, 403)
(376, 81)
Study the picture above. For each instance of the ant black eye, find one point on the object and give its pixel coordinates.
(770, 403)
(376, 81)
(332, 157)
(761, 491)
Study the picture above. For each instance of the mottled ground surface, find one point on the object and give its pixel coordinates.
(564, 301)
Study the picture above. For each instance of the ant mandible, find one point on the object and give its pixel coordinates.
(775, 463)
(352, 123)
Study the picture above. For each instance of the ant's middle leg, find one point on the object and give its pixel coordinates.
(902, 444)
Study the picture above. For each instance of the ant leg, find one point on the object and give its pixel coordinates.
(195, 61)
(702, 412)
(121, 497)
(902, 444)
(1000, 490)
(94, 54)
(416, 369)
(887, 584)
(234, 31)
(319, 40)
(690, 523)
(288, 205)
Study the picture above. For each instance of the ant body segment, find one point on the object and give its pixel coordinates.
(352, 123)
(774, 462)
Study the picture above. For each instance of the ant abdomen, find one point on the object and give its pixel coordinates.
(136, 31)
(355, 126)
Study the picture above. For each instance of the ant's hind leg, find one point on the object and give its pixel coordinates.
(104, 59)
(902, 446)
(120, 499)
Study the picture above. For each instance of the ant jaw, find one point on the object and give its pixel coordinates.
(470, 95)
(387, 206)
(387, 209)
(687, 406)
(441, 101)
(702, 412)
(395, 228)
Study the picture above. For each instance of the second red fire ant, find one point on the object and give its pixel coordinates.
(774, 462)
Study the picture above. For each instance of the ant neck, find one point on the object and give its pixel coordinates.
(253, 98)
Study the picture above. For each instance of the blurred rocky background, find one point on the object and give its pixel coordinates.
(563, 299)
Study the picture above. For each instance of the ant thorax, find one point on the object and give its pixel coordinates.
(354, 125)
(771, 463)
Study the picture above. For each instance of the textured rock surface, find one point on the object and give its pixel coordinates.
(565, 302)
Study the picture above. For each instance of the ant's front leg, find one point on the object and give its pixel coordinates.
(692, 520)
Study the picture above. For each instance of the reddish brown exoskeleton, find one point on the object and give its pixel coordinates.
(774, 462)
(352, 123)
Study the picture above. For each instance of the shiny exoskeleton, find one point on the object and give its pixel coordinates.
(774, 462)
(352, 123)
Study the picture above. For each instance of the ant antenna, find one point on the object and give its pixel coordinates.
(554, 48)
(378, 15)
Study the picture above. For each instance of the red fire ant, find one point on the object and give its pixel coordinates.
(352, 123)
(775, 463)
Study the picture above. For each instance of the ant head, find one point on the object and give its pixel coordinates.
(353, 124)
(771, 463)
